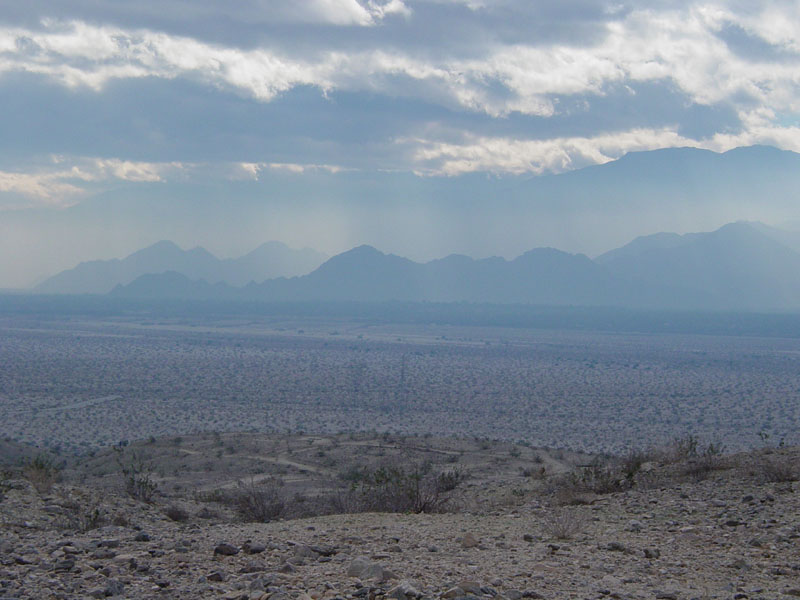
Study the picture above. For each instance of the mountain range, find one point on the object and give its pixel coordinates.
(269, 260)
(588, 210)
(741, 266)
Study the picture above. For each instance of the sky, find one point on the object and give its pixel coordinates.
(307, 110)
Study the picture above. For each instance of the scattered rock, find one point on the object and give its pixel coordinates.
(226, 549)
(618, 547)
(652, 553)
(404, 591)
(253, 547)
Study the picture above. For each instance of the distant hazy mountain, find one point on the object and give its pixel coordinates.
(738, 266)
(741, 265)
(541, 276)
(589, 210)
(175, 286)
(269, 260)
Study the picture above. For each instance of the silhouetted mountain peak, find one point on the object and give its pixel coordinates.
(267, 261)
(159, 248)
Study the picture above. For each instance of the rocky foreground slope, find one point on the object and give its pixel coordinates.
(677, 533)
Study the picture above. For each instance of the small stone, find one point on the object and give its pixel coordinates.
(141, 537)
(253, 548)
(733, 523)
(252, 567)
(635, 526)
(114, 588)
(226, 549)
(324, 550)
(404, 591)
(652, 553)
(618, 547)
(303, 551)
(216, 576)
(471, 587)
(64, 565)
(357, 565)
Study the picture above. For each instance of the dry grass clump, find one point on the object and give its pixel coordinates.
(79, 512)
(42, 472)
(563, 524)
(683, 458)
(578, 486)
(257, 502)
(778, 469)
(418, 489)
(137, 475)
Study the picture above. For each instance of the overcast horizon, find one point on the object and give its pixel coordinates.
(397, 123)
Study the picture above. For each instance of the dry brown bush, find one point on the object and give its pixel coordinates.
(778, 469)
(41, 472)
(563, 524)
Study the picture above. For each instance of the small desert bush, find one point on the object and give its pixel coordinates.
(563, 524)
(599, 477)
(80, 515)
(5, 484)
(257, 502)
(779, 469)
(702, 459)
(42, 472)
(397, 489)
(533, 472)
(691, 448)
(137, 476)
(631, 464)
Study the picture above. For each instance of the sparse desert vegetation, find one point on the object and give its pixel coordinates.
(76, 385)
(354, 460)
(218, 526)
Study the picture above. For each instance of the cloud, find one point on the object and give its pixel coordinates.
(252, 170)
(47, 189)
(680, 45)
(67, 179)
(724, 55)
(505, 155)
(64, 180)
